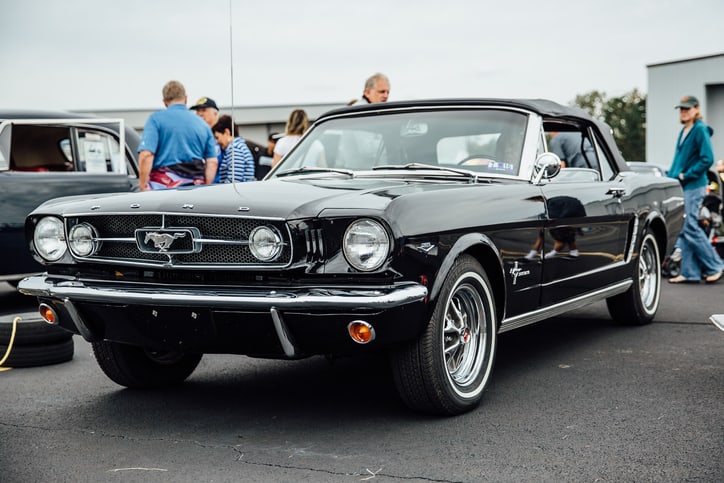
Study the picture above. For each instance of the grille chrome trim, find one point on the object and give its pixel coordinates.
(208, 241)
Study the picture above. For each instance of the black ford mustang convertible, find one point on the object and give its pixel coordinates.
(423, 229)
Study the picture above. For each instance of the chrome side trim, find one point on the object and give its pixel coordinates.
(311, 298)
(563, 307)
(595, 271)
(634, 240)
(285, 337)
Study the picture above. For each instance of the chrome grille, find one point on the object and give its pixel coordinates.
(222, 239)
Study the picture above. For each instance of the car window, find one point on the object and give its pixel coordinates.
(579, 150)
(4, 149)
(484, 140)
(61, 148)
(606, 163)
(98, 153)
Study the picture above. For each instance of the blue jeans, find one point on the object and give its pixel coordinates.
(698, 256)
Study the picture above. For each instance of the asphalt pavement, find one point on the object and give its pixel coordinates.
(575, 398)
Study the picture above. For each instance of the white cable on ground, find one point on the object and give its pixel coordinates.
(10, 344)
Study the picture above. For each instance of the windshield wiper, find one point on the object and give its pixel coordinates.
(307, 169)
(419, 166)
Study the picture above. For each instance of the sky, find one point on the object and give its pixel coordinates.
(118, 54)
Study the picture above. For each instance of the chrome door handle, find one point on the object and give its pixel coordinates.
(616, 192)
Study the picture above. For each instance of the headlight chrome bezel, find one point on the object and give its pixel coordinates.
(49, 238)
(90, 237)
(366, 244)
(265, 243)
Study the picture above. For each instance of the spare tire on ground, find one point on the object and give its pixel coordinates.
(38, 355)
(36, 342)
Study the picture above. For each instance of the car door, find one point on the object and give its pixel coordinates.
(587, 229)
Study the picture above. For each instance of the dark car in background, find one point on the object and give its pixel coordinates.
(646, 168)
(47, 154)
(421, 229)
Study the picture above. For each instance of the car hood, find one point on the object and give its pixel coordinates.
(289, 198)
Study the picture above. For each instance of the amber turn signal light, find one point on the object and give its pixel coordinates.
(361, 332)
(48, 314)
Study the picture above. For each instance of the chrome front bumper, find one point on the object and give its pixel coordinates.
(309, 298)
(67, 294)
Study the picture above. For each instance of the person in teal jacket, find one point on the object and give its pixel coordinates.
(692, 159)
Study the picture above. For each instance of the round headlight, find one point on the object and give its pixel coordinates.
(265, 243)
(366, 245)
(49, 239)
(82, 240)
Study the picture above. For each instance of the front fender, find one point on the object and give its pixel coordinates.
(485, 251)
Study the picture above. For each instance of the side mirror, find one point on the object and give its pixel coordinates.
(547, 166)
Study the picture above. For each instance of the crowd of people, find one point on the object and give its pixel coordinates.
(181, 146)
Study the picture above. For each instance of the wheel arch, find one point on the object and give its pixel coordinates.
(657, 226)
(482, 248)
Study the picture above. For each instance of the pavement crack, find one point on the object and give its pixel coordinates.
(367, 475)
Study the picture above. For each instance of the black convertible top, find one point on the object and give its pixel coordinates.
(544, 107)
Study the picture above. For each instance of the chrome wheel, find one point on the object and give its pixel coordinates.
(464, 334)
(638, 304)
(445, 371)
(649, 277)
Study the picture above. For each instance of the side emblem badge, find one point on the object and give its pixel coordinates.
(516, 272)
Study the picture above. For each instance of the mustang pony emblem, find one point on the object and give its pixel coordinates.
(162, 241)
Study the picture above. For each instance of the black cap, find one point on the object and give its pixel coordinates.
(204, 102)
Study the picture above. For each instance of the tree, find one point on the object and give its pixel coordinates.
(592, 103)
(626, 115)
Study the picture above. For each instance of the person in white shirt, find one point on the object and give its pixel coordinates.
(297, 124)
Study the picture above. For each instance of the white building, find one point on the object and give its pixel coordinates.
(702, 77)
(254, 123)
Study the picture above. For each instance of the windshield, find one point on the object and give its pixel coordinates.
(486, 141)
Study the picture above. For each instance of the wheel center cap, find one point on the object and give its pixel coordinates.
(466, 336)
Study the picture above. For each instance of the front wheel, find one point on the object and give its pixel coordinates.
(135, 367)
(638, 305)
(446, 370)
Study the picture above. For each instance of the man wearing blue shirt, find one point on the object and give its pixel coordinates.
(177, 146)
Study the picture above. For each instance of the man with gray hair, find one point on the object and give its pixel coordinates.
(377, 89)
(177, 146)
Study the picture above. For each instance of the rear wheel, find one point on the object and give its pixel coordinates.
(446, 370)
(136, 367)
(638, 305)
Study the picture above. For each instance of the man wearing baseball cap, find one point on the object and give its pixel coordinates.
(692, 159)
(207, 110)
